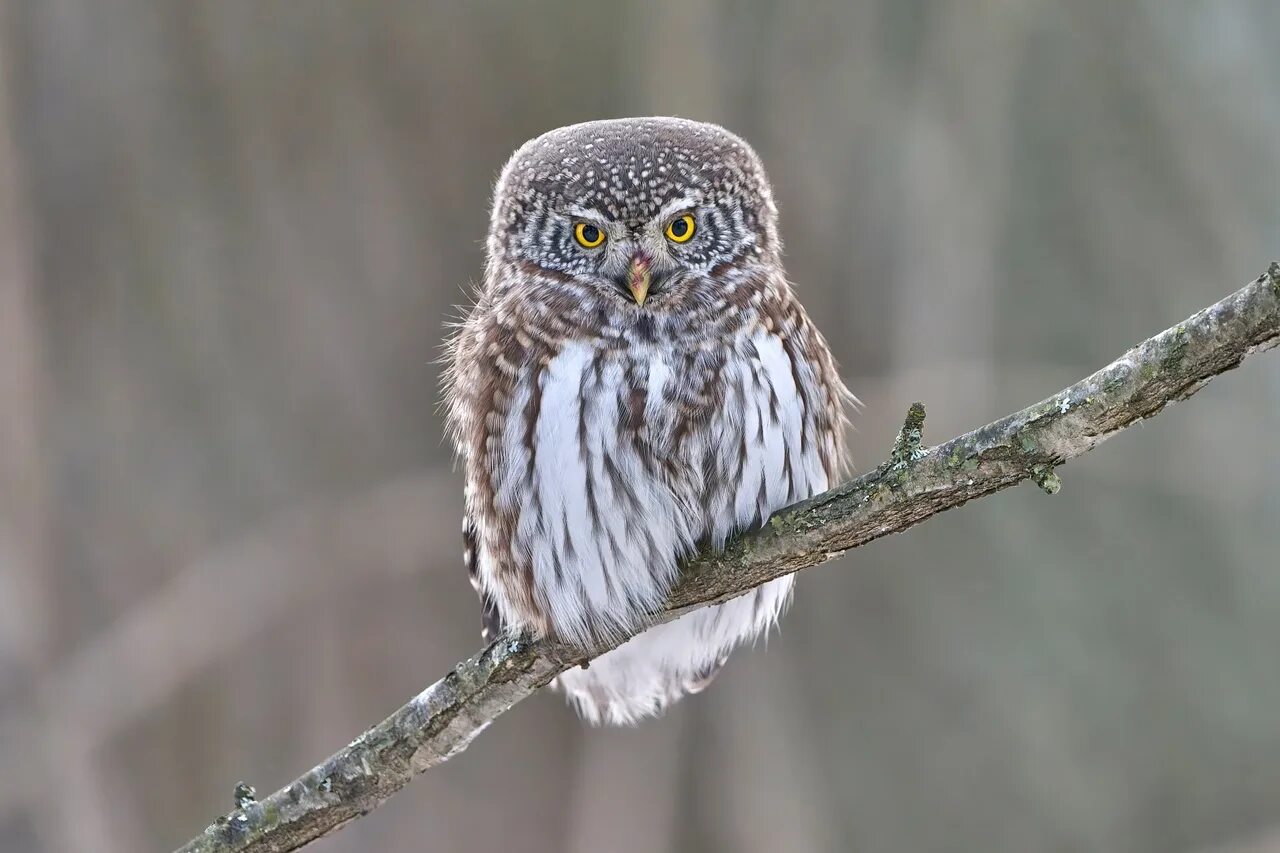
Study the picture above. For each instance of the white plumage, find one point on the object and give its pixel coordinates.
(605, 528)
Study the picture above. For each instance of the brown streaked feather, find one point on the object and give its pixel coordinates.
(490, 618)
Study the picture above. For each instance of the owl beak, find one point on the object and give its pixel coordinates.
(639, 278)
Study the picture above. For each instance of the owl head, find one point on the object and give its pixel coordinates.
(635, 214)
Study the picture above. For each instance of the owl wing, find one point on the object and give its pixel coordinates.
(490, 620)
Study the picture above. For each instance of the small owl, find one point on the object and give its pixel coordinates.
(636, 381)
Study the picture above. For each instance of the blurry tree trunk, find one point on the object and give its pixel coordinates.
(958, 53)
(25, 606)
(76, 819)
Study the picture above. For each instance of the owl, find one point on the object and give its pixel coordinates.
(635, 381)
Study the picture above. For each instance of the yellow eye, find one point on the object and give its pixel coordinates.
(681, 229)
(587, 235)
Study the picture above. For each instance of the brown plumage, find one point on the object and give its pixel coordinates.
(636, 380)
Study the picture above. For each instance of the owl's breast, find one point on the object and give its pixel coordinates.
(596, 527)
(747, 429)
(615, 464)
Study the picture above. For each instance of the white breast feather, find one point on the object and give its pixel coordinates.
(607, 576)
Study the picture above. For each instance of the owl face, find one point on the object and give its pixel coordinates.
(646, 213)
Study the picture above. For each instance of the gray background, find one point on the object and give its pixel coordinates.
(231, 233)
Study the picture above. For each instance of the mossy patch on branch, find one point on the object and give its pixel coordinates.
(1044, 477)
(1177, 350)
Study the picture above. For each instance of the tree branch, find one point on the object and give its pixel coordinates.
(913, 485)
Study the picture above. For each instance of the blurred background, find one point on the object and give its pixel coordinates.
(231, 233)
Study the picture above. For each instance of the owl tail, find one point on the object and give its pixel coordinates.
(645, 675)
(703, 679)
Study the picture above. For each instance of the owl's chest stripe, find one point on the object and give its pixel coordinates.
(597, 528)
(614, 464)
